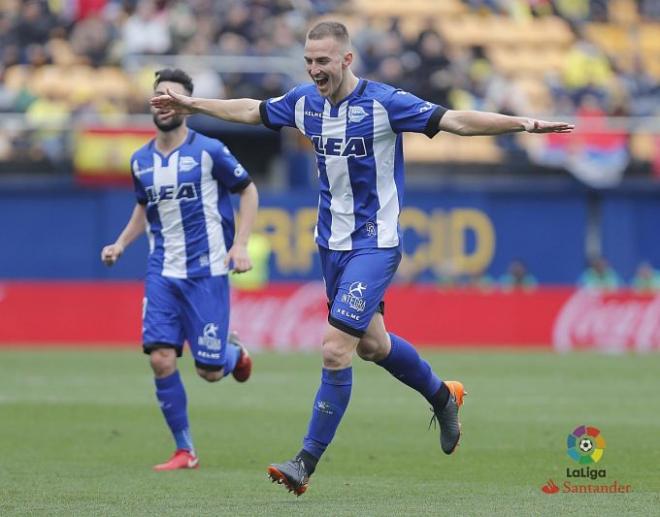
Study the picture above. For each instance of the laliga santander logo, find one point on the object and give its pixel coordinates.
(585, 445)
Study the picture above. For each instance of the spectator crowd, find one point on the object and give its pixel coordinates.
(91, 43)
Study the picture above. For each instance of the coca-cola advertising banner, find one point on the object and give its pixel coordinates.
(293, 316)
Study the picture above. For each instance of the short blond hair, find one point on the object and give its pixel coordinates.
(334, 30)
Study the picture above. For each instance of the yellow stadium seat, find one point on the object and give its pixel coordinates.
(420, 8)
(644, 146)
(16, 77)
(613, 39)
(450, 148)
(649, 37)
(622, 12)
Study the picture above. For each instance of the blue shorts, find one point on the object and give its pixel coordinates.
(355, 283)
(192, 309)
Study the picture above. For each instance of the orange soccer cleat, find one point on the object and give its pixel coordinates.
(450, 427)
(291, 474)
(181, 459)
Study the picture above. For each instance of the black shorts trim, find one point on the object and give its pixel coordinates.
(345, 328)
(381, 307)
(209, 367)
(147, 348)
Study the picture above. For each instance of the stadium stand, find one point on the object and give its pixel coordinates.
(94, 59)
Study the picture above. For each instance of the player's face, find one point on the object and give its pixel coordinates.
(326, 61)
(167, 122)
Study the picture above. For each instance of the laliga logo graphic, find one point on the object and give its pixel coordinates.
(585, 445)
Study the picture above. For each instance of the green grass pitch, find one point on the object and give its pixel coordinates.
(80, 430)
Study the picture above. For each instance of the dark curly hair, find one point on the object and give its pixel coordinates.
(174, 75)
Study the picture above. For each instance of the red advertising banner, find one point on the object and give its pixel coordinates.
(293, 316)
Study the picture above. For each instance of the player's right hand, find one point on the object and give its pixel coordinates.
(111, 253)
(173, 102)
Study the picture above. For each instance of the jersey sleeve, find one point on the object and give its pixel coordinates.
(228, 171)
(279, 111)
(408, 113)
(140, 192)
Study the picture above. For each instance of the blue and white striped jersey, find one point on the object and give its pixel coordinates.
(189, 214)
(359, 153)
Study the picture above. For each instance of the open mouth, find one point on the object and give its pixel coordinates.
(321, 81)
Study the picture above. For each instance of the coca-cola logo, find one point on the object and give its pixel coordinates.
(613, 322)
(290, 319)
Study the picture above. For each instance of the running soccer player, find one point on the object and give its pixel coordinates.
(183, 182)
(355, 126)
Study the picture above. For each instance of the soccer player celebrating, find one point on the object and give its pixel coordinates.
(183, 182)
(355, 126)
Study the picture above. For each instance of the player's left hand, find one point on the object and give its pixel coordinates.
(174, 103)
(543, 126)
(239, 256)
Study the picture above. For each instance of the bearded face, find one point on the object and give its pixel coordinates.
(163, 120)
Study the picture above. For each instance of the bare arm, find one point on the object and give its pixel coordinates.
(133, 229)
(247, 213)
(473, 123)
(233, 110)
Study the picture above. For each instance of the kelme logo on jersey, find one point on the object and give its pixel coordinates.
(210, 338)
(183, 192)
(354, 297)
(356, 113)
(187, 163)
(354, 146)
(239, 171)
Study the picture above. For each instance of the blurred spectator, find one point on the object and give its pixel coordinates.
(649, 8)
(480, 281)
(646, 279)
(600, 153)
(599, 275)
(90, 39)
(146, 31)
(517, 277)
(426, 61)
(575, 11)
(48, 115)
(586, 70)
(34, 24)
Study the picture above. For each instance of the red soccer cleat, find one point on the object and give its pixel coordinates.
(243, 367)
(181, 459)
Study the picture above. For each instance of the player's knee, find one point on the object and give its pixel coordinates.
(210, 375)
(336, 356)
(163, 362)
(370, 349)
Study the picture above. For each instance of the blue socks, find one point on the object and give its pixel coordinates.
(329, 406)
(171, 396)
(405, 364)
(232, 354)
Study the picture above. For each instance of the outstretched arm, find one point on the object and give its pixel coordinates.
(233, 110)
(135, 226)
(247, 213)
(473, 123)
